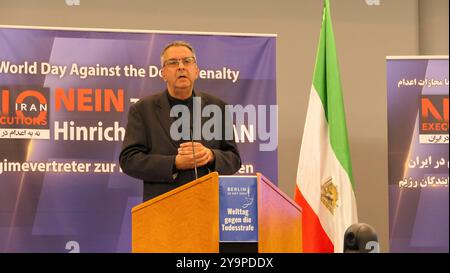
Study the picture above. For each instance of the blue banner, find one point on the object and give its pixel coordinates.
(418, 117)
(64, 99)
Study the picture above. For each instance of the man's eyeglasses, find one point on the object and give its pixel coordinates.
(175, 62)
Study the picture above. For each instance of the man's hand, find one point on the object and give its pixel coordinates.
(185, 157)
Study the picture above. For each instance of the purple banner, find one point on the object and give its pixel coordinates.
(418, 116)
(64, 99)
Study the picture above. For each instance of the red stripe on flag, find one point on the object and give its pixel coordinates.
(314, 237)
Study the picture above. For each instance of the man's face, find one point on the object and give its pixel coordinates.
(179, 75)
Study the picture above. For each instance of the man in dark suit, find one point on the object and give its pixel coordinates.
(151, 151)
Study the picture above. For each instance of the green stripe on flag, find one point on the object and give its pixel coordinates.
(328, 85)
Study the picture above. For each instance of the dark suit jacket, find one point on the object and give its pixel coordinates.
(148, 151)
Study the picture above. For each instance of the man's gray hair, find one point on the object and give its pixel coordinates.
(177, 43)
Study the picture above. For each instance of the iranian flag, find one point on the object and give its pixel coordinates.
(325, 185)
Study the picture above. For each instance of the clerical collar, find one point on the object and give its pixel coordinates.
(175, 101)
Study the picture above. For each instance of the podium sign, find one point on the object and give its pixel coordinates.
(238, 209)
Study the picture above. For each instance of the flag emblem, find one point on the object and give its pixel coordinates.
(329, 195)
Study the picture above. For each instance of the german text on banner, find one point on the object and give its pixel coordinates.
(64, 99)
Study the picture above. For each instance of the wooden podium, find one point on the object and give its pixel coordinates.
(186, 219)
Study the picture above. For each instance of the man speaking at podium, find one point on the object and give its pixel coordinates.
(153, 150)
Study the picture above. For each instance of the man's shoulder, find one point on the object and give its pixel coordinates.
(150, 99)
(211, 99)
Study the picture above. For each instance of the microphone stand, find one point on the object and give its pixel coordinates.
(193, 155)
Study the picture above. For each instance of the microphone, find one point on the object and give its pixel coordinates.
(193, 155)
(361, 238)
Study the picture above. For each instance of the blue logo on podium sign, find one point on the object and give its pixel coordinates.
(238, 210)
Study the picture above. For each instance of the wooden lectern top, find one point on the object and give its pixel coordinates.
(186, 219)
